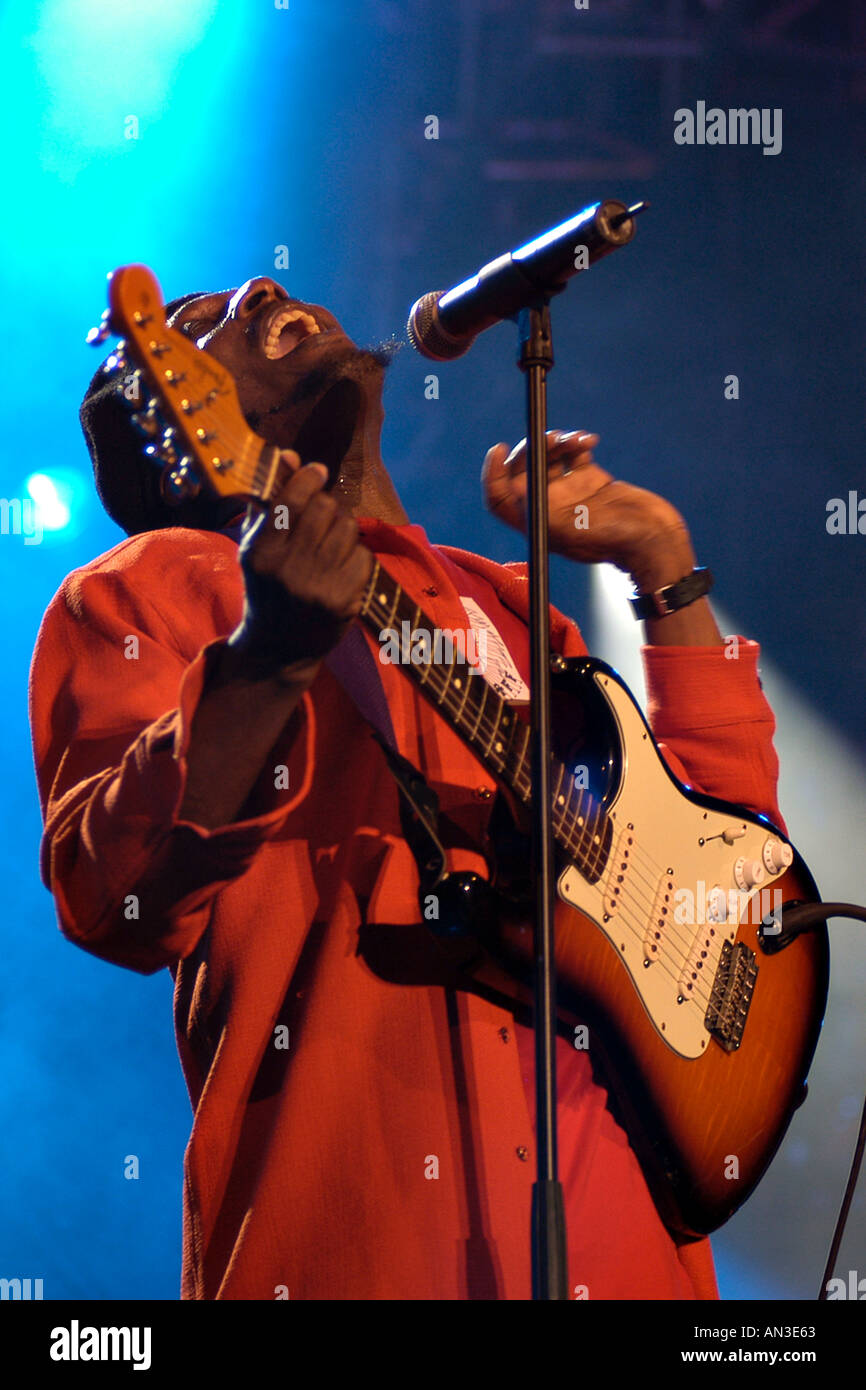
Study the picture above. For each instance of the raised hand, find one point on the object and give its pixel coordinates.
(593, 517)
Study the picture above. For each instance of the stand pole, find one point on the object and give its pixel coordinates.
(549, 1263)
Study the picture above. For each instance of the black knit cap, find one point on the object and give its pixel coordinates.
(126, 480)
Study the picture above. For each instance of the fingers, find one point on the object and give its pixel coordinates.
(504, 472)
(287, 507)
(306, 529)
(337, 543)
(575, 446)
(572, 449)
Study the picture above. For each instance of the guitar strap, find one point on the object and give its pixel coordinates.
(464, 905)
(354, 666)
(352, 663)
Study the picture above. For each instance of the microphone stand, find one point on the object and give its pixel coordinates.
(549, 1255)
(519, 286)
(535, 359)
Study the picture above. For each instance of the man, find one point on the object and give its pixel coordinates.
(215, 803)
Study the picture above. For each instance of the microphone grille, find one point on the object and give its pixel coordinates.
(426, 334)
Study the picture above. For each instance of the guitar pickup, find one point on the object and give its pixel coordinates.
(616, 878)
(659, 922)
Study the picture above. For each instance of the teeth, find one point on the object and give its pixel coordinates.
(305, 322)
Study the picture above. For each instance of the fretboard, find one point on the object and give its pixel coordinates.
(486, 723)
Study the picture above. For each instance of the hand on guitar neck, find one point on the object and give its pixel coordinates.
(303, 585)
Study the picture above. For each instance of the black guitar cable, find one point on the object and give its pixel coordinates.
(779, 928)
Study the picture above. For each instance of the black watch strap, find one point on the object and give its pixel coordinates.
(661, 602)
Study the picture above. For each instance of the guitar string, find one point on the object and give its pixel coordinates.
(674, 962)
(682, 939)
(676, 947)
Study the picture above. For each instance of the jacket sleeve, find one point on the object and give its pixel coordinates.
(114, 686)
(715, 728)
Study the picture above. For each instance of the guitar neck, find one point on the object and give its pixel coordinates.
(487, 724)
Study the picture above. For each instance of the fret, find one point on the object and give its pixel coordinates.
(425, 670)
(513, 723)
(569, 818)
(556, 791)
(561, 801)
(257, 486)
(459, 714)
(371, 589)
(389, 621)
(569, 810)
(443, 687)
(448, 671)
(594, 848)
(520, 768)
(263, 467)
(493, 736)
(484, 689)
(273, 474)
(496, 716)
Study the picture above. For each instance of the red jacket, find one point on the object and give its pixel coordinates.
(387, 1152)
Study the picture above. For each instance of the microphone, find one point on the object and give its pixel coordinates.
(444, 324)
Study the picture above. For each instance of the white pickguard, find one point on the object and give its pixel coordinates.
(675, 854)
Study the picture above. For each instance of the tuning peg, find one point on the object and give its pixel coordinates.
(99, 335)
(162, 452)
(179, 482)
(116, 361)
(147, 422)
(167, 445)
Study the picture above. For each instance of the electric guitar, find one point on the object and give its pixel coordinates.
(669, 944)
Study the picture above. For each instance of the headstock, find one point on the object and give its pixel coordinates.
(191, 416)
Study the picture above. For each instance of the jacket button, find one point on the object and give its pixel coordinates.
(483, 793)
(523, 1153)
(504, 1034)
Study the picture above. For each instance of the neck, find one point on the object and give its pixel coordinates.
(364, 485)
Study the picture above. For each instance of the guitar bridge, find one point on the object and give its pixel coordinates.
(731, 995)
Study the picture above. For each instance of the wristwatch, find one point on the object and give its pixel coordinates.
(660, 602)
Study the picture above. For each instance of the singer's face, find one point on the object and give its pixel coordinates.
(283, 354)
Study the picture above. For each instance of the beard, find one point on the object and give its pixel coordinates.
(353, 364)
(332, 394)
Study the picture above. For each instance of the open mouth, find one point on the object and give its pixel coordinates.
(283, 329)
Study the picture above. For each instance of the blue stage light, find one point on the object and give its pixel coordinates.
(60, 503)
